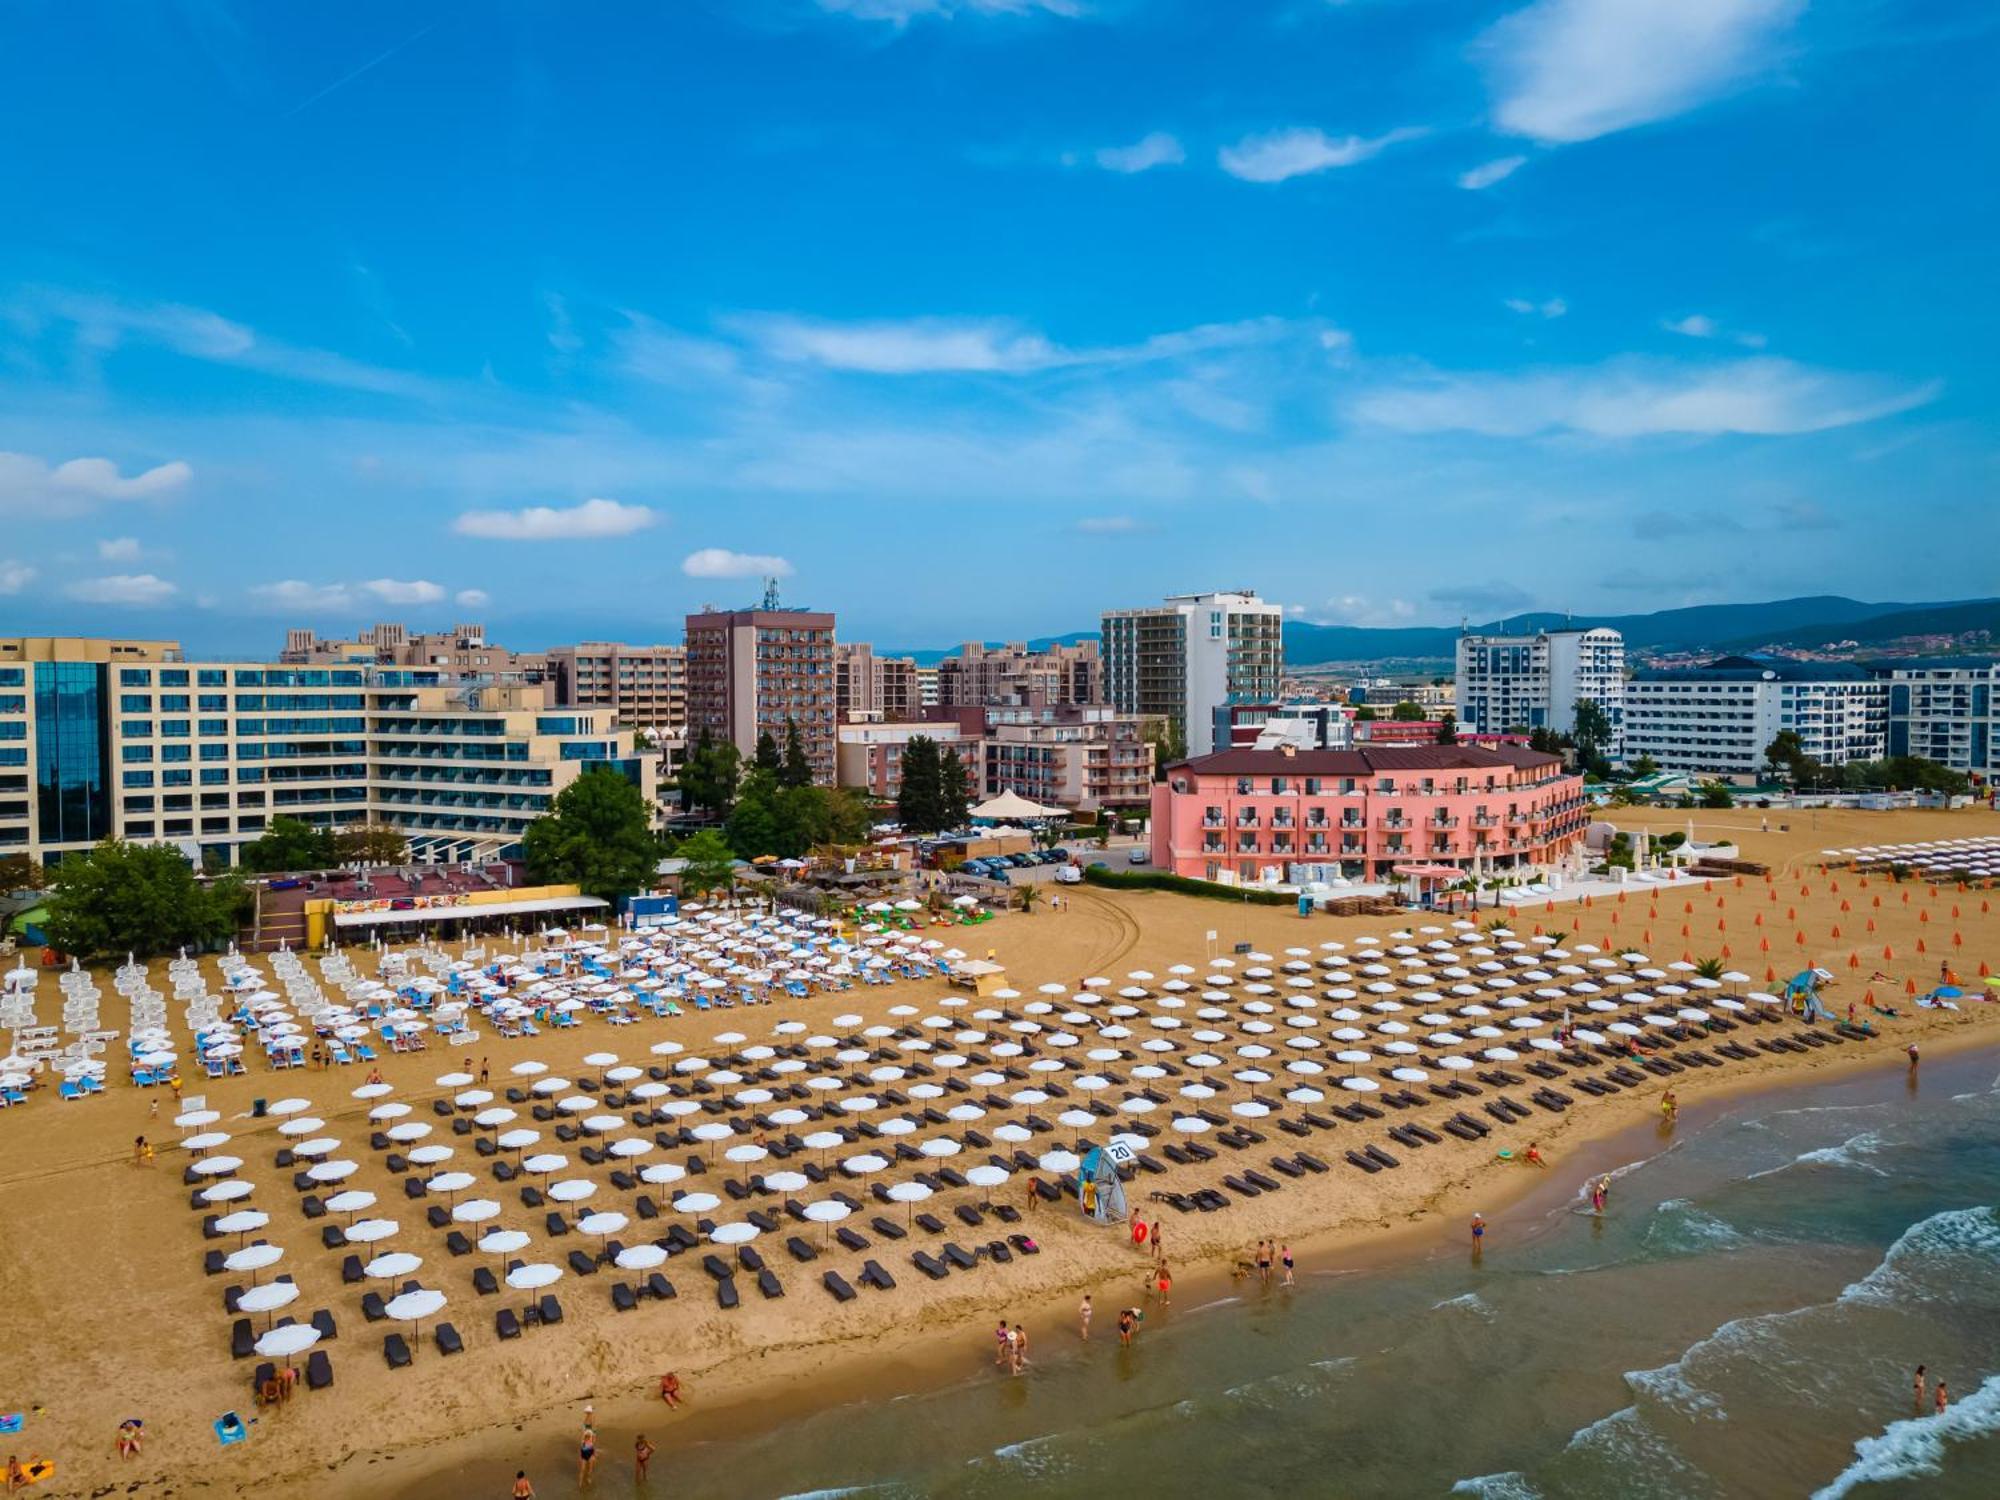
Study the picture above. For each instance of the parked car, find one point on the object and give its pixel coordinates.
(1069, 875)
(1138, 857)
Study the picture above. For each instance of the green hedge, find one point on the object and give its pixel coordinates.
(1160, 880)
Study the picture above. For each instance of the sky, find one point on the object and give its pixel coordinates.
(972, 318)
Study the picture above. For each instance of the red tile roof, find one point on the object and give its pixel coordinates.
(1367, 760)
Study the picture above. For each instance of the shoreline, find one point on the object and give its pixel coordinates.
(743, 1403)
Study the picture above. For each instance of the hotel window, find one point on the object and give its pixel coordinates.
(139, 830)
(135, 703)
(173, 729)
(174, 678)
(135, 677)
(136, 729)
(212, 727)
(176, 826)
(175, 753)
(176, 778)
(136, 755)
(138, 778)
(214, 777)
(211, 677)
(171, 703)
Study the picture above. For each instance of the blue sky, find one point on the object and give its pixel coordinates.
(973, 317)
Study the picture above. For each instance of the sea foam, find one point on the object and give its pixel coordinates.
(1914, 1448)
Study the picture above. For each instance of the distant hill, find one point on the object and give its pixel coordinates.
(1924, 619)
(1689, 628)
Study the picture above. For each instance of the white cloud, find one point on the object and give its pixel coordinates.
(15, 576)
(122, 589)
(720, 562)
(297, 594)
(902, 12)
(1571, 70)
(1155, 150)
(121, 549)
(1555, 307)
(1634, 398)
(926, 346)
(473, 598)
(403, 591)
(1701, 326)
(548, 523)
(28, 483)
(104, 324)
(1485, 175)
(1280, 154)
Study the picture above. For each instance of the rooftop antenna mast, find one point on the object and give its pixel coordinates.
(771, 593)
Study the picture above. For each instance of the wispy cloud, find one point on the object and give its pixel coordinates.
(1701, 326)
(1634, 398)
(1554, 307)
(1572, 70)
(1485, 175)
(403, 591)
(1108, 525)
(295, 594)
(15, 576)
(123, 589)
(1278, 155)
(472, 598)
(902, 12)
(118, 549)
(992, 346)
(103, 324)
(1495, 599)
(32, 485)
(1158, 149)
(547, 523)
(720, 562)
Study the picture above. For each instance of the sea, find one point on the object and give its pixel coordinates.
(1745, 1319)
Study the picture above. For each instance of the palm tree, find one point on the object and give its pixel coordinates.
(1030, 894)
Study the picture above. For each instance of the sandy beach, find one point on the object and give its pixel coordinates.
(103, 1256)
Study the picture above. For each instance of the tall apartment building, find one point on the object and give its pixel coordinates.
(1192, 654)
(463, 650)
(1504, 681)
(977, 674)
(102, 739)
(757, 671)
(1943, 709)
(1076, 756)
(1719, 719)
(644, 687)
(869, 686)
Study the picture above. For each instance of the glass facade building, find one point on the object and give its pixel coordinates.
(72, 774)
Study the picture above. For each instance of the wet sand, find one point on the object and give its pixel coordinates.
(106, 1255)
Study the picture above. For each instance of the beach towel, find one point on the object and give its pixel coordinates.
(229, 1429)
(12, 1421)
(36, 1470)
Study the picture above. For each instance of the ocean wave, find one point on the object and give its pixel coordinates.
(1509, 1484)
(1849, 1153)
(1583, 1192)
(1470, 1302)
(1645, 1460)
(1949, 1257)
(1679, 1228)
(1914, 1448)
(1285, 1389)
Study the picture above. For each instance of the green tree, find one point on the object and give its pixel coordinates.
(766, 758)
(1169, 745)
(290, 844)
(954, 791)
(138, 898)
(920, 799)
(711, 863)
(1407, 712)
(794, 769)
(1448, 729)
(597, 835)
(1643, 767)
(709, 776)
(1593, 738)
(371, 844)
(20, 873)
(1785, 754)
(1366, 714)
(755, 822)
(1716, 794)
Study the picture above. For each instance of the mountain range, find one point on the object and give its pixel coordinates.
(1808, 622)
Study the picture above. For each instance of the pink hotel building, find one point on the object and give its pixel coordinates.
(1297, 815)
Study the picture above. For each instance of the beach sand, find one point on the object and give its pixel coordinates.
(113, 1317)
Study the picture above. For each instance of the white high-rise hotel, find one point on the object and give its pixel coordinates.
(1534, 681)
(1191, 655)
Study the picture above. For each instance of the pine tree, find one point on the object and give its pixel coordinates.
(795, 769)
(767, 752)
(920, 801)
(954, 792)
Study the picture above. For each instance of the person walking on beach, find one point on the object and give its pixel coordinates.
(1913, 1057)
(1917, 1404)
(1159, 1245)
(1285, 1259)
(586, 1463)
(1670, 1107)
(1478, 1231)
(1083, 1319)
(1003, 1343)
(1020, 1348)
(1163, 1283)
(1128, 1320)
(642, 1454)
